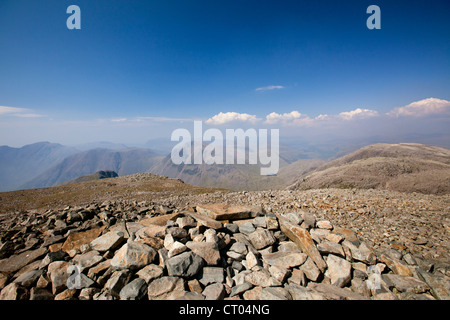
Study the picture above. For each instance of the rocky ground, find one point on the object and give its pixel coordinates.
(316, 244)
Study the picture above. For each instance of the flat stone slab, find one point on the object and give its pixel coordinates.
(303, 239)
(159, 220)
(221, 211)
(17, 262)
(206, 221)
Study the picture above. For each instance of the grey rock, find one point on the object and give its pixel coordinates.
(261, 238)
(87, 260)
(285, 259)
(150, 272)
(135, 290)
(133, 255)
(247, 228)
(117, 281)
(405, 283)
(187, 265)
(108, 241)
(212, 275)
(241, 288)
(339, 270)
(215, 291)
(275, 293)
(298, 292)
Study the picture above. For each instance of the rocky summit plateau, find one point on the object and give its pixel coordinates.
(186, 243)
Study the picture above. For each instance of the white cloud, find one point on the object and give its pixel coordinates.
(18, 112)
(226, 117)
(269, 88)
(422, 108)
(285, 117)
(358, 114)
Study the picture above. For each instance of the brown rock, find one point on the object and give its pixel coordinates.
(17, 262)
(206, 221)
(303, 239)
(75, 240)
(209, 251)
(221, 211)
(159, 220)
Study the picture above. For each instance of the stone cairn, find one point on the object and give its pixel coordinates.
(130, 251)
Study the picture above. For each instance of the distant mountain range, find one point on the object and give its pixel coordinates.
(403, 167)
(19, 165)
(123, 162)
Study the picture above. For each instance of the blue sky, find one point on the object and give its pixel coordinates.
(136, 67)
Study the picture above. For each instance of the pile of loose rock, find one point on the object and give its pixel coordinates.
(148, 251)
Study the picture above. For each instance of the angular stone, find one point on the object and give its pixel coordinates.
(116, 282)
(159, 220)
(165, 287)
(310, 270)
(253, 294)
(108, 241)
(239, 247)
(58, 273)
(303, 239)
(331, 292)
(206, 221)
(133, 255)
(87, 293)
(13, 291)
(215, 291)
(319, 235)
(332, 237)
(241, 288)
(339, 270)
(211, 275)
(94, 272)
(293, 217)
(135, 290)
(261, 278)
(275, 293)
(153, 231)
(346, 233)
(327, 247)
(209, 251)
(399, 267)
(260, 222)
(406, 283)
(67, 294)
(187, 265)
(150, 272)
(362, 253)
(261, 238)
(279, 273)
(75, 240)
(87, 260)
(247, 228)
(28, 278)
(298, 277)
(285, 259)
(272, 222)
(324, 224)
(298, 292)
(440, 285)
(176, 248)
(17, 262)
(186, 222)
(252, 260)
(220, 211)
